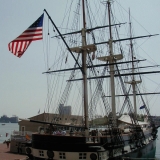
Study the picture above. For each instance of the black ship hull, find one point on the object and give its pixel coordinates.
(44, 146)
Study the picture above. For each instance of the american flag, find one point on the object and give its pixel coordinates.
(19, 45)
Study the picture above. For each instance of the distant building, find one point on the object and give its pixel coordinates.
(64, 110)
(5, 119)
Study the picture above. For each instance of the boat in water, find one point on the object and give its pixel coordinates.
(96, 75)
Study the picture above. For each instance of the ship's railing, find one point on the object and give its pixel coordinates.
(128, 158)
(21, 135)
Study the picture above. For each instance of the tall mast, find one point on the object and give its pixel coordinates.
(112, 58)
(84, 66)
(84, 16)
(84, 50)
(133, 82)
(133, 78)
(113, 103)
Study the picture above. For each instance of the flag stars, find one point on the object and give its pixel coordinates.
(38, 23)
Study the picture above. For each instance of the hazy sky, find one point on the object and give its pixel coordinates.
(23, 87)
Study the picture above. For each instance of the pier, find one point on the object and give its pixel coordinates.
(5, 154)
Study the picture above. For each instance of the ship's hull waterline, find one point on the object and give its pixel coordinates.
(54, 147)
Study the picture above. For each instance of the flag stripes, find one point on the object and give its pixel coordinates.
(35, 32)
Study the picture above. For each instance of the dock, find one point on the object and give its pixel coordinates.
(5, 154)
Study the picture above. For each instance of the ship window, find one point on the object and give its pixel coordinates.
(102, 155)
(62, 156)
(82, 156)
(41, 153)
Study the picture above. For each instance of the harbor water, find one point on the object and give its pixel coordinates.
(6, 129)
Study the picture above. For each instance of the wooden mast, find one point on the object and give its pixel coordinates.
(111, 58)
(133, 77)
(84, 67)
(133, 82)
(84, 50)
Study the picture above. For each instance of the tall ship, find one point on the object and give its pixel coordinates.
(97, 71)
